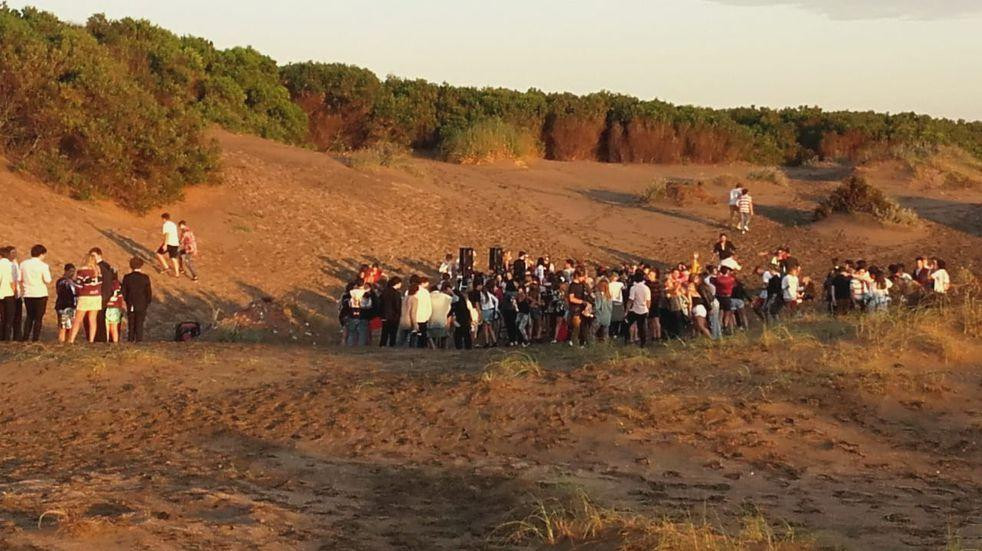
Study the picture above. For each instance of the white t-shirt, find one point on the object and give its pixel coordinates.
(941, 281)
(424, 307)
(171, 238)
(8, 283)
(440, 303)
(730, 263)
(35, 276)
(735, 194)
(640, 297)
(617, 291)
(789, 286)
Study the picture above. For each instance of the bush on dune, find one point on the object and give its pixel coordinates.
(488, 141)
(856, 195)
(72, 114)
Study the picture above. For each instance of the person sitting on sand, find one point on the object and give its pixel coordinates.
(168, 253)
(940, 279)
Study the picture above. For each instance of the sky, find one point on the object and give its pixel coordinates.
(884, 55)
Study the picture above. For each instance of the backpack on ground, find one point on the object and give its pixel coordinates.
(187, 331)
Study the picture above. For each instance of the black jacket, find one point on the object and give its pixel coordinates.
(108, 277)
(390, 304)
(137, 292)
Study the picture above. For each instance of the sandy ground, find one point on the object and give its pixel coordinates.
(295, 224)
(235, 447)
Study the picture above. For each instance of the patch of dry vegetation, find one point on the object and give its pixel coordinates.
(678, 192)
(576, 520)
(511, 366)
(857, 196)
(773, 175)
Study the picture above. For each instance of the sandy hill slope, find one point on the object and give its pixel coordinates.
(293, 224)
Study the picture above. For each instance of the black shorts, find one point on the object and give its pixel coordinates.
(172, 251)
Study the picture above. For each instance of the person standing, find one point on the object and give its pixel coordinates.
(114, 311)
(188, 250)
(106, 275)
(65, 302)
(390, 306)
(441, 301)
(580, 309)
(170, 246)
(746, 206)
(420, 311)
(462, 312)
(138, 295)
(35, 276)
(603, 305)
(89, 278)
(638, 307)
(734, 202)
(8, 295)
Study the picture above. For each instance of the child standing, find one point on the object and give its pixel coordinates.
(114, 311)
(65, 302)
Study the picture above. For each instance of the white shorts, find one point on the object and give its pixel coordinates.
(699, 311)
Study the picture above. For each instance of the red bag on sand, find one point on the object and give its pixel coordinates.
(562, 335)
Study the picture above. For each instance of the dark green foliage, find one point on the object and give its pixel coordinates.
(73, 114)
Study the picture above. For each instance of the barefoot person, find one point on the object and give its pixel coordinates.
(170, 246)
(89, 280)
(35, 276)
(188, 249)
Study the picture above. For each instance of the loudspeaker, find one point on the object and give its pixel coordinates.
(466, 262)
(496, 260)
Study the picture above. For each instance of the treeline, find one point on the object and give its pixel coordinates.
(118, 109)
(350, 107)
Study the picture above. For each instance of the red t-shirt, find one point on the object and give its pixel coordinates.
(725, 285)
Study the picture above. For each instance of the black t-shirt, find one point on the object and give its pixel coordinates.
(724, 250)
(842, 286)
(577, 290)
(66, 294)
(524, 306)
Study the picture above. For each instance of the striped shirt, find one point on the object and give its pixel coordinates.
(745, 203)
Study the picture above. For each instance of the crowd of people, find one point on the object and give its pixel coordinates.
(90, 297)
(523, 302)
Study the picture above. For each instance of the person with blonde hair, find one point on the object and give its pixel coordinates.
(89, 280)
(603, 308)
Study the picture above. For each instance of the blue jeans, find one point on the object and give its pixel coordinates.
(714, 320)
(357, 332)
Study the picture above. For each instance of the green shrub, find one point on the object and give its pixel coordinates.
(488, 141)
(856, 195)
(73, 114)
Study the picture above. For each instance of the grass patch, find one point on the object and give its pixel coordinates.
(577, 520)
(773, 175)
(512, 366)
(489, 141)
(380, 155)
(857, 196)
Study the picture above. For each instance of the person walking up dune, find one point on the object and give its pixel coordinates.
(188, 249)
(746, 206)
(35, 276)
(170, 246)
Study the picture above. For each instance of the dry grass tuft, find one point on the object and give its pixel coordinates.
(512, 366)
(773, 175)
(577, 520)
(679, 192)
(857, 196)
